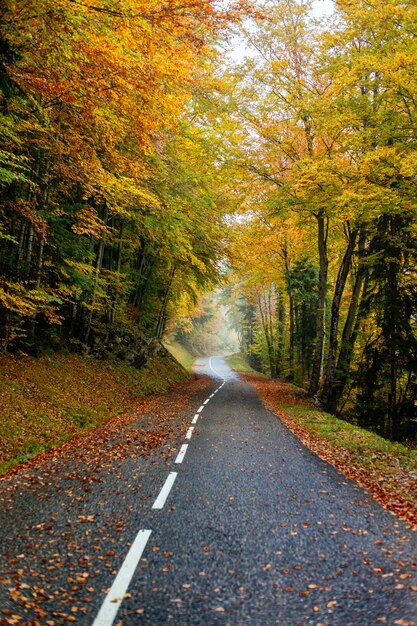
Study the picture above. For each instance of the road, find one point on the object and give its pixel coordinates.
(239, 525)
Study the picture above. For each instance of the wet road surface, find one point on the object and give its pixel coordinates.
(241, 525)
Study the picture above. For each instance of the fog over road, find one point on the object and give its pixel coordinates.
(242, 525)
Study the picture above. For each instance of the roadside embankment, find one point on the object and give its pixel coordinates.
(45, 401)
(181, 353)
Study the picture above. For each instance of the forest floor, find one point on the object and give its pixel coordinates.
(387, 470)
(48, 400)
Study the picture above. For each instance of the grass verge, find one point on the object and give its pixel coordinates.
(238, 362)
(387, 470)
(48, 400)
(181, 354)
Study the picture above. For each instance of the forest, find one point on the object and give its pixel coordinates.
(152, 150)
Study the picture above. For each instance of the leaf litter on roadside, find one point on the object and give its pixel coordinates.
(40, 593)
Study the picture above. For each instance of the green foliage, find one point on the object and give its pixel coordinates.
(324, 250)
(109, 201)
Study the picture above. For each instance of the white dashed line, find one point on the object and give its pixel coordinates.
(164, 493)
(113, 600)
(181, 453)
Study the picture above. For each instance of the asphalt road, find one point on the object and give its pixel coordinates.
(240, 525)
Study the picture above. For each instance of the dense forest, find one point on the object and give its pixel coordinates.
(327, 118)
(110, 209)
(141, 164)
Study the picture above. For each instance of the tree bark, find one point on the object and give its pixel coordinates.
(162, 317)
(111, 315)
(317, 370)
(355, 314)
(268, 338)
(328, 395)
(280, 330)
(291, 313)
(99, 264)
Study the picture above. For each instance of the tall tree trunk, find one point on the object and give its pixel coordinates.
(328, 396)
(317, 370)
(391, 325)
(99, 265)
(29, 249)
(291, 312)
(162, 317)
(142, 267)
(111, 315)
(274, 371)
(39, 267)
(268, 339)
(280, 330)
(355, 314)
(21, 249)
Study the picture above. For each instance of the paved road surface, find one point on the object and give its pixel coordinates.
(242, 526)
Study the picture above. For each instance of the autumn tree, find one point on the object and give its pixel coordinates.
(101, 215)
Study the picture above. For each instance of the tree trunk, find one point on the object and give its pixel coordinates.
(268, 338)
(162, 317)
(21, 249)
(392, 324)
(291, 312)
(328, 396)
(280, 330)
(29, 249)
(38, 282)
(355, 314)
(99, 264)
(317, 370)
(111, 315)
(142, 267)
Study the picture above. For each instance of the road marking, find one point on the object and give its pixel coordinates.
(164, 493)
(212, 368)
(195, 418)
(189, 432)
(206, 401)
(181, 453)
(113, 600)
(201, 408)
